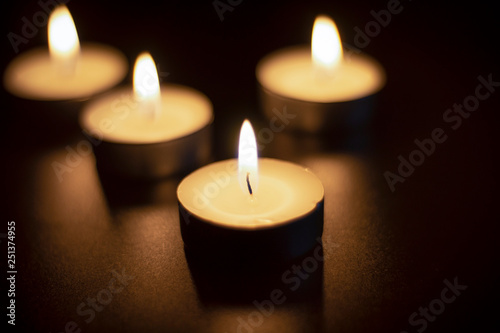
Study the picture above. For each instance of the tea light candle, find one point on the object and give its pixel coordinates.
(65, 71)
(319, 88)
(148, 132)
(49, 86)
(251, 207)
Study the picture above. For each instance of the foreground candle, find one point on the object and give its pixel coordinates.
(149, 132)
(65, 71)
(250, 207)
(320, 88)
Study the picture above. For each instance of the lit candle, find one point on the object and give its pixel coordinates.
(250, 206)
(148, 131)
(65, 71)
(318, 86)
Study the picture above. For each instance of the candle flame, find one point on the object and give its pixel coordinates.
(248, 176)
(64, 46)
(147, 85)
(326, 47)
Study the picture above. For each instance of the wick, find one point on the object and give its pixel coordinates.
(248, 183)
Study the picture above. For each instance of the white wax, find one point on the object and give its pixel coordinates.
(290, 73)
(286, 192)
(33, 75)
(118, 117)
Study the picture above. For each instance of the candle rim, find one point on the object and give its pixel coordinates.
(243, 227)
(250, 228)
(306, 48)
(9, 74)
(85, 122)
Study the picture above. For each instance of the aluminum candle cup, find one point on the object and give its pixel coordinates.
(282, 220)
(129, 143)
(316, 87)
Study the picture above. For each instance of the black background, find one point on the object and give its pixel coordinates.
(387, 253)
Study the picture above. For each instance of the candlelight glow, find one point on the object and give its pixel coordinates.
(147, 85)
(64, 46)
(247, 159)
(326, 47)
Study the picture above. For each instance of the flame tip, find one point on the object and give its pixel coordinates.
(326, 46)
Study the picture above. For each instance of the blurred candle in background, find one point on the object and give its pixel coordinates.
(49, 84)
(317, 85)
(66, 70)
(146, 131)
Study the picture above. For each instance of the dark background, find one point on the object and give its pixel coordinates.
(386, 254)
